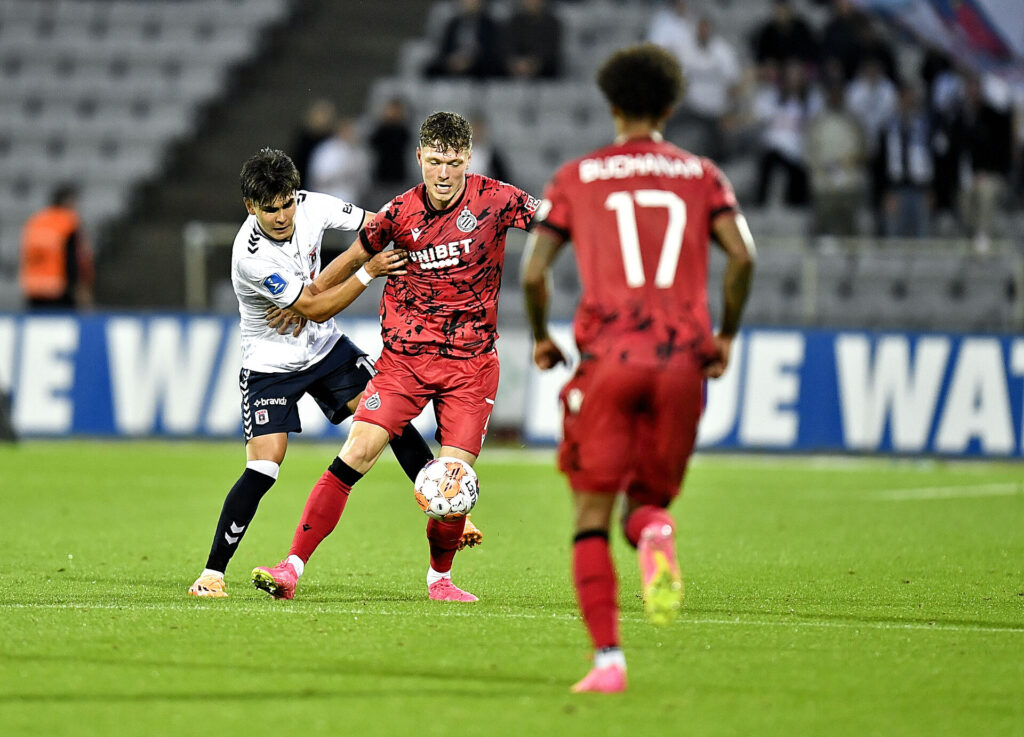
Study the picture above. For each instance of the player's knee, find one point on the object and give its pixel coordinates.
(268, 468)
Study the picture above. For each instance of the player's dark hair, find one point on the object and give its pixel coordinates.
(643, 81)
(267, 175)
(443, 131)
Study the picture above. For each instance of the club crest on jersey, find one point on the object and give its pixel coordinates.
(467, 221)
(262, 417)
(373, 401)
(275, 284)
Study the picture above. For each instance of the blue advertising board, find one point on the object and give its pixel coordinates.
(174, 375)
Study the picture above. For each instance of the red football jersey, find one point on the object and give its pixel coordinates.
(448, 302)
(639, 214)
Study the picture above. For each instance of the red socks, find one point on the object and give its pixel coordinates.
(596, 588)
(320, 516)
(643, 516)
(444, 542)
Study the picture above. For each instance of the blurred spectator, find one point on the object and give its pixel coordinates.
(56, 261)
(707, 113)
(783, 110)
(783, 37)
(340, 165)
(389, 143)
(944, 96)
(872, 97)
(672, 29)
(842, 38)
(318, 126)
(988, 125)
(904, 169)
(487, 158)
(533, 42)
(836, 157)
(470, 44)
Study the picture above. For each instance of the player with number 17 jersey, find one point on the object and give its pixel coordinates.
(447, 304)
(639, 214)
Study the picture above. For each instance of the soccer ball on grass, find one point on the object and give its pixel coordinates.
(446, 488)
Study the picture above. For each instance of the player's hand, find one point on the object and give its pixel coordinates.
(547, 354)
(285, 321)
(388, 263)
(717, 365)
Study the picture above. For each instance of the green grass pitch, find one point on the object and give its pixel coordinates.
(823, 597)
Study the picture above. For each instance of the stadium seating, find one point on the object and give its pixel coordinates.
(95, 91)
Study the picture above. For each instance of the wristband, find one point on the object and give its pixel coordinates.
(364, 276)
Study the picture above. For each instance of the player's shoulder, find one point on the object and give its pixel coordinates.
(249, 240)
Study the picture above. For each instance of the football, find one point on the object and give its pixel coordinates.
(446, 488)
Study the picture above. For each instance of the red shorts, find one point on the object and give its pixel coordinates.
(462, 390)
(630, 428)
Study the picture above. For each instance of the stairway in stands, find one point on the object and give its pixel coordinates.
(327, 49)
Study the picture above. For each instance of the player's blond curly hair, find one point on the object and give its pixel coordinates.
(446, 131)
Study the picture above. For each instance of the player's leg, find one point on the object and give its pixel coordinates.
(463, 411)
(593, 574)
(266, 425)
(596, 439)
(667, 433)
(444, 538)
(389, 410)
(339, 390)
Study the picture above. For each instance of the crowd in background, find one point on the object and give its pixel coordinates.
(832, 122)
(843, 129)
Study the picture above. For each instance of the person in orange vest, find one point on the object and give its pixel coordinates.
(56, 261)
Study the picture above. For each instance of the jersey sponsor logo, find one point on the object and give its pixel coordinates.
(442, 256)
(532, 203)
(268, 401)
(467, 221)
(262, 417)
(624, 166)
(372, 402)
(347, 208)
(275, 284)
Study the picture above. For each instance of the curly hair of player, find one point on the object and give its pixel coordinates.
(643, 82)
(446, 131)
(267, 175)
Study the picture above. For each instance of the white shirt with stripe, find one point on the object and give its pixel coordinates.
(267, 272)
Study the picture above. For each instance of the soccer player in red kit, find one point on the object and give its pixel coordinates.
(640, 213)
(439, 324)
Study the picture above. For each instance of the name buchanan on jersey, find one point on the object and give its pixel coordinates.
(623, 166)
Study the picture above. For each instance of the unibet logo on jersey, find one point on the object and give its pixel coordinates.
(443, 256)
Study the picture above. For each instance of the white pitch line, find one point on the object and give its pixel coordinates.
(683, 620)
(950, 492)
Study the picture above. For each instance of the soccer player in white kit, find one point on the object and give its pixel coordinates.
(275, 262)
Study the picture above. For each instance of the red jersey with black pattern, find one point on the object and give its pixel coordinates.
(639, 215)
(448, 302)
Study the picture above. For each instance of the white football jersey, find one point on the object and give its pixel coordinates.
(265, 271)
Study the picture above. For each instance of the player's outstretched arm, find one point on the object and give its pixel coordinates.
(541, 249)
(323, 305)
(732, 234)
(344, 264)
(336, 272)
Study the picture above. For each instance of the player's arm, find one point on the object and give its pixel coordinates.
(345, 264)
(542, 247)
(319, 306)
(733, 236)
(337, 271)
